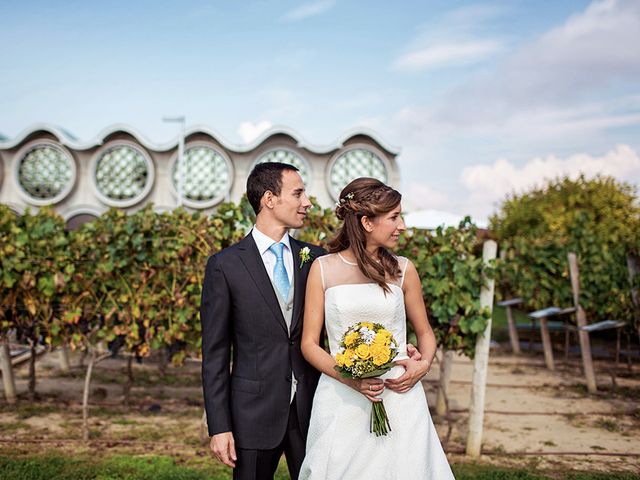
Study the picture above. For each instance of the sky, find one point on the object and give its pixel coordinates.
(483, 98)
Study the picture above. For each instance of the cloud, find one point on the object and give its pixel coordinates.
(590, 52)
(458, 37)
(447, 54)
(421, 196)
(249, 131)
(491, 183)
(434, 218)
(309, 10)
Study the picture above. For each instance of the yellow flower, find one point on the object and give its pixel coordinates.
(377, 350)
(369, 325)
(381, 359)
(351, 338)
(347, 357)
(363, 351)
(340, 359)
(381, 340)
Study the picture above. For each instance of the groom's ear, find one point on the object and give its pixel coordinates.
(268, 199)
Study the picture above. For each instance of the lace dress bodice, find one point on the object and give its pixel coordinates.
(351, 297)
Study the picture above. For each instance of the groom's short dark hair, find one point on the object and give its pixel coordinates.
(265, 176)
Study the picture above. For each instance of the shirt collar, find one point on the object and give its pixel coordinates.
(263, 242)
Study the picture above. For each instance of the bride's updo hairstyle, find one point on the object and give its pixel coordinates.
(366, 197)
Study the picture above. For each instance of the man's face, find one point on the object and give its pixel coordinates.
(290, 207)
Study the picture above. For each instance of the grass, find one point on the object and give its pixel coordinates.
(24, 411)
(487, 472)
(149, 378)
(177, 410)
(12, 426)
(117, 467)
(607, 424)
(142, 377)
(124, 421)
(128, 467)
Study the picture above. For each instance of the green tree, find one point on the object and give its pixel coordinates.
(598, 219)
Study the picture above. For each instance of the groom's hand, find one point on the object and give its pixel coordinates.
(413, 352)
(224, 448)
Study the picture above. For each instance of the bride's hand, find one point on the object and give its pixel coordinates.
(414, 370)
(369, 387)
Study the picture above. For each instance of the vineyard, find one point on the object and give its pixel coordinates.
(118, 301)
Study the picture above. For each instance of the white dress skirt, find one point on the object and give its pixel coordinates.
(339, 443)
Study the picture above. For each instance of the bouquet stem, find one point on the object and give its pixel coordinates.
(379, 419)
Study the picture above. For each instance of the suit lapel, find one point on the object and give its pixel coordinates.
(299, 279)
(250, 256)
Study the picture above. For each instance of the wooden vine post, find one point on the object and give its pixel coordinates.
(446, 366)
(581, 320)
(632, 266)
(481, 360)
(8, 378)
(63, 356)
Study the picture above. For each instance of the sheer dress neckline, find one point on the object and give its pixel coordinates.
(346, 261)
(337, 270)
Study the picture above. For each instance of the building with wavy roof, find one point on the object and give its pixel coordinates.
(45, 165)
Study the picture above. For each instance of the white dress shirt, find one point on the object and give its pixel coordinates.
(263, 242)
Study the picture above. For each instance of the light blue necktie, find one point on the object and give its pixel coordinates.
(280, 277)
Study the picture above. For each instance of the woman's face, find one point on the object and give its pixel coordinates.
(386, 228)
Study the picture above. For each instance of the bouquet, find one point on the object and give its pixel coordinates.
(367, 350)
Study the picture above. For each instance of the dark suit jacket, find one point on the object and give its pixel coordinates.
(241, 318)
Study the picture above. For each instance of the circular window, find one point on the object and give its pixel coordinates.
(282, 155)
(45, 173)
(207, 176)
(122, 174)
(352, 164)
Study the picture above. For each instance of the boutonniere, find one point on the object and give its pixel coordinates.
(305, 256)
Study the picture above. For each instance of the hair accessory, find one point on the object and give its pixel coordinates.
(348, 196)
(343, 201)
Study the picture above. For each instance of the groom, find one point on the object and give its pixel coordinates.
(258, 388)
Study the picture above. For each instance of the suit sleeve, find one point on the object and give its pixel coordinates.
(216, 347)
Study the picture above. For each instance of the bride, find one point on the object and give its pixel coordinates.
(361, 281)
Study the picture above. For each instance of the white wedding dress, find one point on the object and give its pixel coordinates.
(339, 444)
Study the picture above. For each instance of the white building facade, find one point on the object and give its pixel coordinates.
(44, 165)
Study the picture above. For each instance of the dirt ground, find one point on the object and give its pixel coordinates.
(535, 418)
